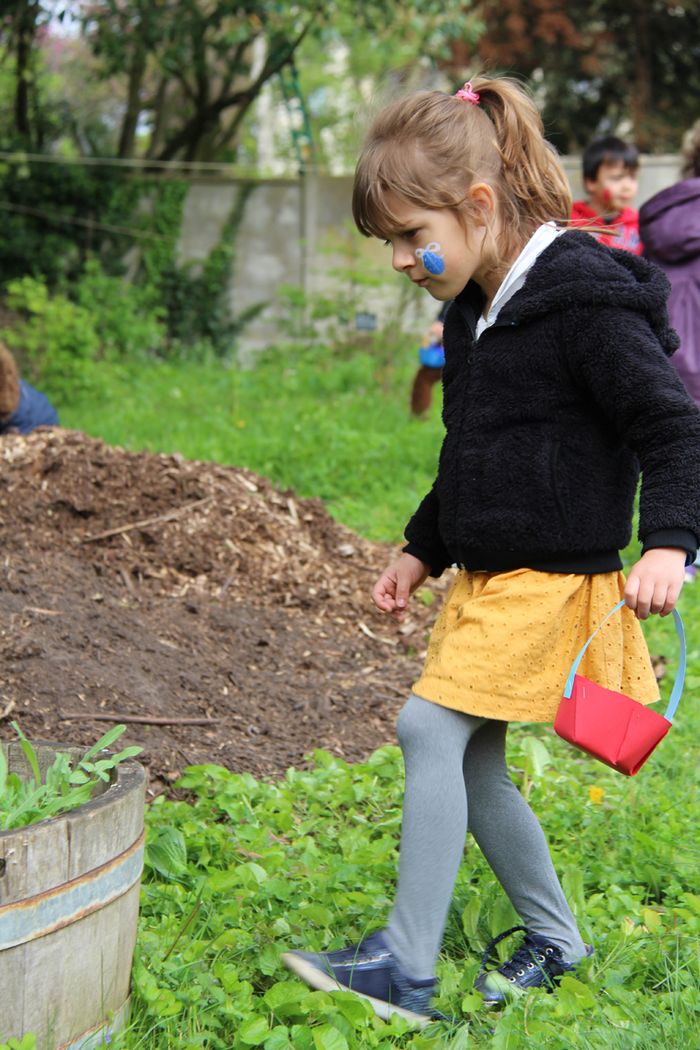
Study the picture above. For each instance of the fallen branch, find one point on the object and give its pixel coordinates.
(147, 522)
(146, 720)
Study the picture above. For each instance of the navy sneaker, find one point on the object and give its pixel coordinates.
(370, 970)
(537, 963)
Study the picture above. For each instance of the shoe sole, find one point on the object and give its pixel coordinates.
(323, 982)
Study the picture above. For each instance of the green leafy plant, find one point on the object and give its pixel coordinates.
(195, 294)
(126, 319)
(27, 1042)
(56, 215)
(64, 343)
(57, 340)
(66, 785)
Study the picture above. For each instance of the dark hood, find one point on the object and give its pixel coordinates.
(575, 270)
(669, 223)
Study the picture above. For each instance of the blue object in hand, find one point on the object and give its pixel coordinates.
(432, 356)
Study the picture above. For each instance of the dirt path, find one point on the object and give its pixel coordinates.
(154, 587)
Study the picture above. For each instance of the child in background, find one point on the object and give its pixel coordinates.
(670, 222)
(22, 408)
(431, 358)
(557, 387)
(670, 226)
(610, 176)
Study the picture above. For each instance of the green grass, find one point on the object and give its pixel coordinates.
(333, 426)
(250, 868)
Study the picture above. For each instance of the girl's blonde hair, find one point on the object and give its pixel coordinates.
(428, 148)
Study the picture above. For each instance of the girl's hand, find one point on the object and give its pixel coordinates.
(655, 582)
(397, 583)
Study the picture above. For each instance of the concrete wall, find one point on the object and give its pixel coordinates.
(300, 232)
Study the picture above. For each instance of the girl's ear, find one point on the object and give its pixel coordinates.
(484, 198)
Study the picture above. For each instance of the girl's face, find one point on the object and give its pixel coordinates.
(432, 248)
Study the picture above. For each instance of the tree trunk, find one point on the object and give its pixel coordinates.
(133, 104)
(26, 26)
(161, 110)
(188, 138)
(206, 119)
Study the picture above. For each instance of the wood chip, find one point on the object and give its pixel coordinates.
(370, 634)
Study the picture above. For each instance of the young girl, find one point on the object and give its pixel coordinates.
(557, 389)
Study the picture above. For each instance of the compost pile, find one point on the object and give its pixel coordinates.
(232, 620)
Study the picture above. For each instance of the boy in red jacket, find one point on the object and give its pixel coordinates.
(610, 176)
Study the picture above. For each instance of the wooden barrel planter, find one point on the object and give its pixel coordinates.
(69, 901)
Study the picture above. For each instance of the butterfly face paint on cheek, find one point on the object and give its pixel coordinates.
(431, 257)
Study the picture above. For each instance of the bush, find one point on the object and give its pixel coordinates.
(61, 343)
(57, 342)
(127, 321)
(50, 209)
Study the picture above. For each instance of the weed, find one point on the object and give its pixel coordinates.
(67, 784)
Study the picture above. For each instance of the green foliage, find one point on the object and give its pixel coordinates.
(66, 785)
(163, 200)
(100, 316)
(600, 65)
(63, 344)
(53, 214)
(125, 319)
(246, 869)
(410, 46)
(205, 56)
(194, 294)
(27, 1042)
(57, 342)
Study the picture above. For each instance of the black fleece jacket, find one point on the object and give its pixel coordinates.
(549, 416)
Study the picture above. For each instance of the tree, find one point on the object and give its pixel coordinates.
(23, 22)
(601, 65)
(193, 68)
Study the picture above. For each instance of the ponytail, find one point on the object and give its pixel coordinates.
(534, 186)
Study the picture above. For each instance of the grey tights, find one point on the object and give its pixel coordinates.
(457, 780)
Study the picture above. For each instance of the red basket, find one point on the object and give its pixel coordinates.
(610, 726)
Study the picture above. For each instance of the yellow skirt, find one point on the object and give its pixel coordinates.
(504, 643)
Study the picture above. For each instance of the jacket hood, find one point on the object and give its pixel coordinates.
(577, 271)
(669, 223)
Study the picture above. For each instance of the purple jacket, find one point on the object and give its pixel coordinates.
(669, 226)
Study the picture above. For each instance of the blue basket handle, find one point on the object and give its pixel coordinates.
(677, 690)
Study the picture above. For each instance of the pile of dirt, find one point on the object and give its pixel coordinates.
(232, 620)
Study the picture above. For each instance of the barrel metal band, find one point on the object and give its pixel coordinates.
(46, 912)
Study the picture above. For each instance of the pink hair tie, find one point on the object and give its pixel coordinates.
(467, 94)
